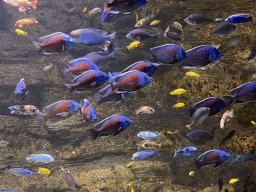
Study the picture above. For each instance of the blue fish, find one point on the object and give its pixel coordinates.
(124, 6)
(18, 172)
(148, 135)
(6, 190)
(87, 111)
(40, 158)
(185, 151)
(20, 90)
(199, 134)
(252, 55)
(242, 94)
(210, 157)
(142, 155)
(100, 57)
(108, 16)
(237, 18)
(215, 104)
(245, 157)
(200, 57)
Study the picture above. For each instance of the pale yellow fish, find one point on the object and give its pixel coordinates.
(130, 164)
(43, 171)
(133, 44)
(226, 117)
(192, 74)
(178, 91)
(177, 26)
(84, 9)
(169, 132)
(68, 171)
(137, 16)
(253, 122)
(155, 22)
(132, 190)
(178, 105)
(48, 67)
(233, 180)
(94, 11)
(73, 152)
(20, 32)
(191, 173)
(144, 110)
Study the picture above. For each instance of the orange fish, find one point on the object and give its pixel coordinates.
(22, 4)
(27, 21)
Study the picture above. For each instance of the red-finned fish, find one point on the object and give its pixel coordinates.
(23, 110)
(226, 117)
(22, 4)
(27, 21)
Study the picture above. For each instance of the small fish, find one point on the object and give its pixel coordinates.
(233, 42)
(136, 15)
(177, 105)
(222, 29)
(71, 182)
(112, 125)
(94, 11)
(48, 67)
(199, 116)
(23, 110)
(199, 134)
(43, 171)
(18, 172)
(40, 158)
(125, 6)
(178, 91)
(237, 18)
(141, 34)
(6, 190)
(245, 157)
(149, 145)
(23, 5)
(174, 31)
(147, 135)
(232, 181)
(20, 90)
(155, 22)
(254, 123)
(252, 55)
(130, 164)
(27, 21)
(87, 111)
(227, 136)
(144, 110)
(108, 16)
(226, 118)
(100, 58)
(192, 74)
(85, 8)
(3, 143)
(143, 21)
(20, 32)
(142, 155)
(133, 44)
(169, 132)
(198, 19)
(185, 151)
(191, 173)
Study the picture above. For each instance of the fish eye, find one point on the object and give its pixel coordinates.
(145, 78)
(102, 76)
(33, 110)
(73, 106)
(92, 67)
(126, 121)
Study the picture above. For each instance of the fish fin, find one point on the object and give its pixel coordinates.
(147, 56)
(33, 4)
(250, 18)
(179, 65)
(94, 134)
(63, 114)
(112, 37)
(219, 20)
(26, 93)
(97, 126)
(217, 164)
(231, 113)
(70, 88)
(37, 46)
(41, 119)
(117, 78)
(118, 131)
(66, 70)
(93, 84)
(198, 164)
(228, 100)
(175, 154)
(98, 99)
(112, 55)
(196, 127)
(104, 90)
(110, 76)
(189, 127)
(137, 111)
(7, 171)
(116, 73)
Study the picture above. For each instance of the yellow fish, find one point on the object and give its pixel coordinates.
(233, 180)
(178, 91)
(178, 105)
(43, 171)
(155, 22)
(130, 164)
(253, 122)
(73, 152)
(169, 132)
(137, 16)
(177, 26)
(192, 173)
(20, 32)
(84, 9)
(133, 44)
(46, 68)
(192, 74)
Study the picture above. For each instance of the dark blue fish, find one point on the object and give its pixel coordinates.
(167, 53)
(252, 55)
(199, 134)
(215, 104)
(185, 151)
(200, 57)
(20, 90)
(123, 5)
(245, 157)
(237, 18)
(141, 34)
(222, 29)
(242, 94)
(142, 155)
(18, 172)
(108, 16)
(198, 19)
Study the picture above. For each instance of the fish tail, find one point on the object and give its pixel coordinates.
(157, 152)
(179, 65)
(41, 119)
(94, 134)
(112, 37)
(175, 154)
(219, 20)
(231, 113)
(37, 46)
(189, 126)
(98, 99)
(250, 18)
(70, 88)
(66, 70)
(147, 56)
(229, 100)
(112, 55)
(28, 159)
(198, 164)
(110, 76)
(33, 4)
(7, 171)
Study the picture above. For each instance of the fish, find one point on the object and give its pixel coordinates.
(199, 134)
(242, 94)
(149, 145)
(144, 110)
(222, 29)
(79, 66)
(199, 116)
(147, 135)
(6, 190)
(232, 181)
(192, 74)
(48, 67)
(133, 44)
(226, 118)
(142, 155)
(141, 34)
(214, 103)
(21, 91)
(233, 42)
(191, 173)
(43, 171)
(94, 11)
(40, 158)
(87, 111)
(85, 8)
(178, 91)
(23, 5)
(18, 172)
(112, 125)
(198, 19)
(254, 123)
(167, 53)
(200, 57)
(169, 132)
(54, 43)
(143, 21)
(155, 22)
(57, 112)
(20, 32)
(124, 6)
(185, 151)
(174, 31)
(108, 16)
(71, 182)
(23, 110)
(100, 58)
(27, 21)
(210, 157)
(136, 15)
(107, 95)
(130, 81)
(252, 54)
(177, 105)
(177, 1)
(3, 143)
(245, 157)
(237, 18)
(130, 164)
(227, 136)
